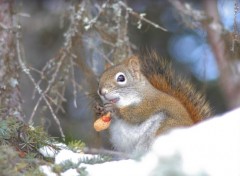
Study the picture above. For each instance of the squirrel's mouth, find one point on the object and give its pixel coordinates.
(111, 100)
(115, 100)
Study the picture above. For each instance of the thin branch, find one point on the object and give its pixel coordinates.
(190, 17)
(80, 88)
(74, 85)
(141, 17)
(20, 52)
(42, 75)
(30, 121)
(59, 106)
(90, 44)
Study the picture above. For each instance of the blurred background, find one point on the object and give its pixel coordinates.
(78, 38)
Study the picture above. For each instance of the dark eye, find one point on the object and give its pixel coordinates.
(120, 78)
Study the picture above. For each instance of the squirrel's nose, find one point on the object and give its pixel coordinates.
(102, 91)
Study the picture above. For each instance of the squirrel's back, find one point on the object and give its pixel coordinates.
(161, 75)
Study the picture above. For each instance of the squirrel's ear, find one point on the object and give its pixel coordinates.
(134, 66)
(107, 65)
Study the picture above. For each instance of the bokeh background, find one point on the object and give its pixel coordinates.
(186, 44)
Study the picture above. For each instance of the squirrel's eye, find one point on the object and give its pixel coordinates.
(120, 78)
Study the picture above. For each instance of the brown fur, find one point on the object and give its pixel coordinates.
(163, 78)
(162, 92)
(153, 105)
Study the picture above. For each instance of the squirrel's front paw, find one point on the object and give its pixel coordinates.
(109, 107)
(100, 110)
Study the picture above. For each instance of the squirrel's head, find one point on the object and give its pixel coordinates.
(120, 84)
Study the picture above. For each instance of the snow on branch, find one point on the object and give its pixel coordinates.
(208, 148)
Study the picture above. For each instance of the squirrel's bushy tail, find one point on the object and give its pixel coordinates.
(161, 75)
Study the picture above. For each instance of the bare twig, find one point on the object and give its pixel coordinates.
(80, 88)
(59, 106)
(189, 16)
(30, 121)
(141, 17)
(20, 52)
(90, 44)
(42, 76)
(74, 85)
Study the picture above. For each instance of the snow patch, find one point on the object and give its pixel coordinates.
(68, 155)
(211, 148)
(71, 172)
(47, 170)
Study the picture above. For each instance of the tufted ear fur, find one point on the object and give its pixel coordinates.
(107, 65)
(134, 67)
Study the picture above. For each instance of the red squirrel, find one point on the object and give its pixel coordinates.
(146, 99)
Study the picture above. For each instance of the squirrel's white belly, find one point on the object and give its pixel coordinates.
(130, 138)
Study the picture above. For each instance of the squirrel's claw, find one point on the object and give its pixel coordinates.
(100, 110)
(109, 107)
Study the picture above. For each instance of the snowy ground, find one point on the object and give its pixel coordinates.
(209, 148)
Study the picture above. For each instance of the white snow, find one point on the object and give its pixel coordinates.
(47, 170)
(116, 168)
(211, 147)
(70, 172)
(68, 155)
(208, 148)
